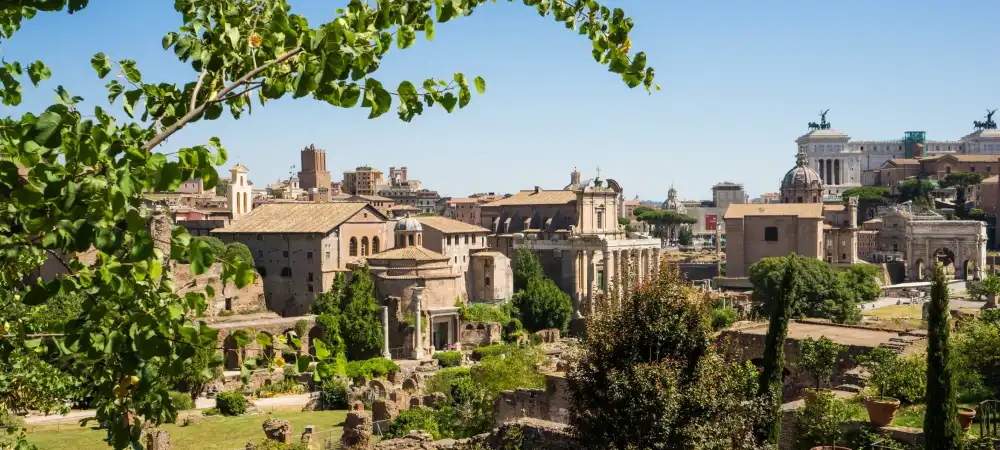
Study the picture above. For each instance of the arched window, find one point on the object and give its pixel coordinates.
(375, 246)
(364, 246)
(420, 239)
(410, 239)
(352, 248)
(286, 272)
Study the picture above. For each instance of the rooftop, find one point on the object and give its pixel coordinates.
(408, 253)
(805, 210)
(446, 225)
(294, 218)
(540, 197)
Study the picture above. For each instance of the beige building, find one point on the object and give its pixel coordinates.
(195, 187)
(417, 284)
(299, 247)
(921, 239)
(376, 201)
(240, 201)
(469, 209)
(727, 193)
(314, 177)
(363, 180)
(867, 244)
(461, 243)
(802, 184)
(577, 238)
(756, 231)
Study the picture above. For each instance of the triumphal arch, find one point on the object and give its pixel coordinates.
(960, 245)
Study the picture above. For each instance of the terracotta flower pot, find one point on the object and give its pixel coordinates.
(965, 416)
(881, 410)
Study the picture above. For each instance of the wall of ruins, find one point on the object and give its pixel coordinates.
(478, 334)
(233, 355)
(550, 404)
(247, 300)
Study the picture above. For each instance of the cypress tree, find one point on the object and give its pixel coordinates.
(941, 427)
(774, 352)
(361, 324)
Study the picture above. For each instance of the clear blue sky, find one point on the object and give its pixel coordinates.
(740, 81)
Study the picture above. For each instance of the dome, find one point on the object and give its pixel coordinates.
(408, 224)
(801, 176)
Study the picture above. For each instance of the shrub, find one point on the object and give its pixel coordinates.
(443, 380)
(818, 357)
(480, 312)
(231, 403)
(371, 368)
(210, 412)
(181, 401)
(512, 330)
(821, 421)
(492, 350)
(421, 418)
(333, 394)
(908, 382)
(285, 386)
(723, 317)
(449, 359)
(238, 251)
(542, 305)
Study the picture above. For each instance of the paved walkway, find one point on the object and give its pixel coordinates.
(200, 403)
(893, 301)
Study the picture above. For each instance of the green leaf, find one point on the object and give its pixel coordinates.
(105, 240)
(155, 270)
(405, 36)
(325, 370)
(448, 101)
(321, 350)
(351, 95)
(273, 88)
(131, 73)
(210, 291)
(201, 256)
(175, 311)
(233, 34)
(47, 130)
(188, 332)
(131, 99)
(480, 85)
(264, 340)
(38, 72)
(464, 96)
(302, 363)
(32, 343)
(102, 64)
(429, 29)
(245, 274)
(241, 337)
(169, 40)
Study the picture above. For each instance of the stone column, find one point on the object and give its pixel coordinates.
(609, 272)
(385, 333)
(419, 347)
(591, 280)
(637, 257)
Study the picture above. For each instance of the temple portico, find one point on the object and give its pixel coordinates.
(593, 265)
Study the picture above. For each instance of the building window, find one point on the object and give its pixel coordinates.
(600, 220)
(466, 239)
(947, 169)
(375, 245)
(972, 168)
(284, 254)
(286, 272)
(487, 281)
(364, 246)
(260, 253)
(260, 237)
(309, 255)
(449, 240)
(410, 240)
(309, 277)
(352, 247)
(262, 271)
(310, 287)
(771, 234)
(229, 304)
(327, 255)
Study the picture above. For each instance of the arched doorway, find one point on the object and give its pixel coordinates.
(946, 257)
(920, 269)
(233, 354)
(967, 270)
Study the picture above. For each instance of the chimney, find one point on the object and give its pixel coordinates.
(538, 189)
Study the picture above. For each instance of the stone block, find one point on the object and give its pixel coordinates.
(549, 336)
(278, 430)
(357, 430)
(357, 405)
(435, 400)
(384, 410)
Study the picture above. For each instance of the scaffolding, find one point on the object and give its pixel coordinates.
(910, 141)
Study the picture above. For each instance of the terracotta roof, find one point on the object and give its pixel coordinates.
(294, 218)
(463, 200)
(372, 198)
(903, 162)
(835, 208)
(409, 253)
(536, 198)
(968, 158)
(802, 210)
(490, 253)
(446, 225)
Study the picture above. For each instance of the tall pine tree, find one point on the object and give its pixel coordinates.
(360, 324)
(774, 352)
(941, 427)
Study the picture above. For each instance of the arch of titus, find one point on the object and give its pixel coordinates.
(963, 242)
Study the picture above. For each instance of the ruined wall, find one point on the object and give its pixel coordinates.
(477, 334)
(550, 404)
(247, 300)
(233, 356)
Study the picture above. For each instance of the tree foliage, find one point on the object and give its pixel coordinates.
(238, 251)
(941, 427)
(72, 177)
(961, 182)
(543, 305)
(663, 220)
(916, 191)
(823, 292)
(649, 377)
(526, 268)
(876, 194)
(360, 319)
(818, 357)
(770, 380)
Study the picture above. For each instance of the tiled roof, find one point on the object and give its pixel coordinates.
(404, 208)
(446, 225)
(835, 208)
(536, 198)
(408, 253)
(802, 210)
(463, 200)
(372, 198)
(904, 161)
(968, 158)
(294, 218)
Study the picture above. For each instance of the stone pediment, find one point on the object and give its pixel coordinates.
(823, 135)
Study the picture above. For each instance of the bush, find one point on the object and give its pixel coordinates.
(210, 412)
(444, 379)
(479, 312)
(420, 418)
(542, 305)
(237, 251)
(492, 350)
(371, 368)
(333, 394)
(891, 376)
(723, 317)
(513, 330)
(286, 386)
(449, 359)
(821, 421)
(231, 403)
(181, 401)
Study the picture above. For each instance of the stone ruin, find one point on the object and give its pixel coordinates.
(357, 430)
(157, 439)
(549, 336)
(478, 334)
(278, 430)
(384, 409)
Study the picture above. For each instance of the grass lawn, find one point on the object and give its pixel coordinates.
(895, 312)
(214, 433)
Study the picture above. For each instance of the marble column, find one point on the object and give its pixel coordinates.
(419, 347)
(609, 272)
(591, 281)
(385, 333)
(624, 273)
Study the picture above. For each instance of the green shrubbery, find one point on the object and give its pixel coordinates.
(492, 350)
(333, 394)
(419, 418)
(723, 317)
(371, 368)
(449, 359)
(889, 375)
(821, 422)
(283, 387)
(181, 400)
(231, 403)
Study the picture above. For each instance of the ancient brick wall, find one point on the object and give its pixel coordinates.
(274, 327)
(476, 334)
(550, 404)
(247, 300)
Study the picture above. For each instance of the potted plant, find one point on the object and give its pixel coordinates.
(818, 358)
(881, 363)
(965, 416)
(991, 287)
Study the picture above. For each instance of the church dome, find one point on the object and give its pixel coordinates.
(801, 176)
(408, 224)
